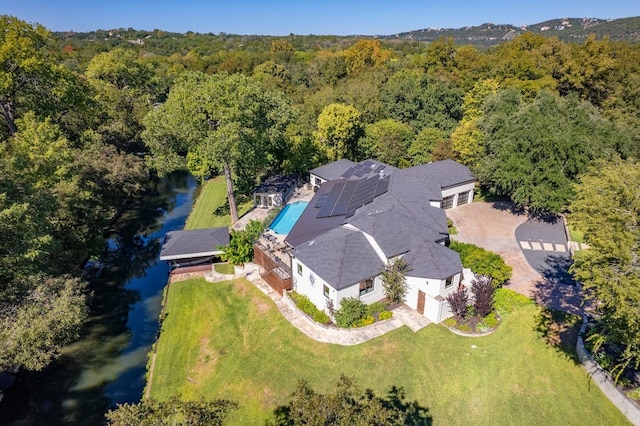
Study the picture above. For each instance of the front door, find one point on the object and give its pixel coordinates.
(420, 302)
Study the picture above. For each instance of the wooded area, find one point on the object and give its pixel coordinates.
(88, 118)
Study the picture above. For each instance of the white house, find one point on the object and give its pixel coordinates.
(365, 214)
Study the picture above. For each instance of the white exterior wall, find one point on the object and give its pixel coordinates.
(313, 178)
(457, 190)
(354, 291)
(434, 310)
(315, 290)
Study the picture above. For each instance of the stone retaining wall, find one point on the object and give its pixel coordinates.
(600, 377)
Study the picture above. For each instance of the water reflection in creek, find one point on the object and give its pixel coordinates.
(107, 365)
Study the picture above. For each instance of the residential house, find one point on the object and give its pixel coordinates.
(365, 214)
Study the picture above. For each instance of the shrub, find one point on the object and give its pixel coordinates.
(634, 394)
(458, 302)
(321, 317)
(490, 321)
(506, 301)
(385, 315)
(368, 320)
(483, 262)
(306, 305)
(240, 247)
(351, 311)
(375, 308)
(394, 280)
(483, 295)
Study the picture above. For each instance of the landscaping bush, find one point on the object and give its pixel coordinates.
(483, 262)
(368, 320)
(351, 311)
(385, 315)
(483, 295)
(375, 308)
(240, 247)
(305, 305)
(458, 303)
(321, 317)
(634, 394)
(489, 322)
(506, 301)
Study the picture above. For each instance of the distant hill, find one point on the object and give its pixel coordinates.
(566, 29)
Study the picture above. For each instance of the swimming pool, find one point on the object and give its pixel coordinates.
(283, 223)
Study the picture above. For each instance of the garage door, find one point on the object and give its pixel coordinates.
(447, 202)
(463, 198)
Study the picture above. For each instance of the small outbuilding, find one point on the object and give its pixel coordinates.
(274, 191)
(193, 247)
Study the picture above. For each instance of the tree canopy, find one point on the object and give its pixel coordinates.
(534, 151)
(607, 209)
(213, 122)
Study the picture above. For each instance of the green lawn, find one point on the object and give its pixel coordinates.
(228, 340)
(209, 210)
(224, 268)
(577, 236)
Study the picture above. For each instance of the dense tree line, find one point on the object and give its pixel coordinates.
(86, 119)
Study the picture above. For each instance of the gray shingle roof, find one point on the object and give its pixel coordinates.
(401, 221)
(446, 173)
(193, 243)
(333, 170)
(341, 257)
(433, 260)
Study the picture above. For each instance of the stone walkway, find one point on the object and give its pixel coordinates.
(402, 315)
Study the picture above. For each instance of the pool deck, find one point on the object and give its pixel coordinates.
(274, 242)
(300, 194)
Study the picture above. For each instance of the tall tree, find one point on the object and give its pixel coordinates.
(607, 209)
(413, 98)
(123, 86)
(535, 150)
(349, 405)
(219, 121)
(339, 129)
(388, 141)
(30, 79)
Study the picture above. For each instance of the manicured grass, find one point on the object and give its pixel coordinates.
(577, 236)
(209, 210)
(224, 268)
(228, 340)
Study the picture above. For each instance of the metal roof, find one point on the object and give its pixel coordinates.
(194, 243)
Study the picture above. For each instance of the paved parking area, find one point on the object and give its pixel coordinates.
(536, 250)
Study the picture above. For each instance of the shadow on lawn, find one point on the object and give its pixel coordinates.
(347, 404)
(559, 330)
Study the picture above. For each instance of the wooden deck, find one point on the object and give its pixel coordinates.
(276, 273)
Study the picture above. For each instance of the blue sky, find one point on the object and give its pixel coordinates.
(282, 17)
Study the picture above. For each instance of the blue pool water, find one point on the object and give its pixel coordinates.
(283, 223)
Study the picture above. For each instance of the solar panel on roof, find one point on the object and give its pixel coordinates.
(321, 200)
(382, 186)
(378, 169)
(332, 198)
(360, 173)
(345, 196)
(349, 172)
(368, 163)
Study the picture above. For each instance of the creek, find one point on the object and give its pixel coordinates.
(107, 365)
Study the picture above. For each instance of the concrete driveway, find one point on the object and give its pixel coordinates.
(536, 250)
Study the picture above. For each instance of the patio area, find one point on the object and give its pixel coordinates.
(304, 193)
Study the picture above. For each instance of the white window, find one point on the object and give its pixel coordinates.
(366, 287)
(448, 283)
(325, 290)
(299, 269)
